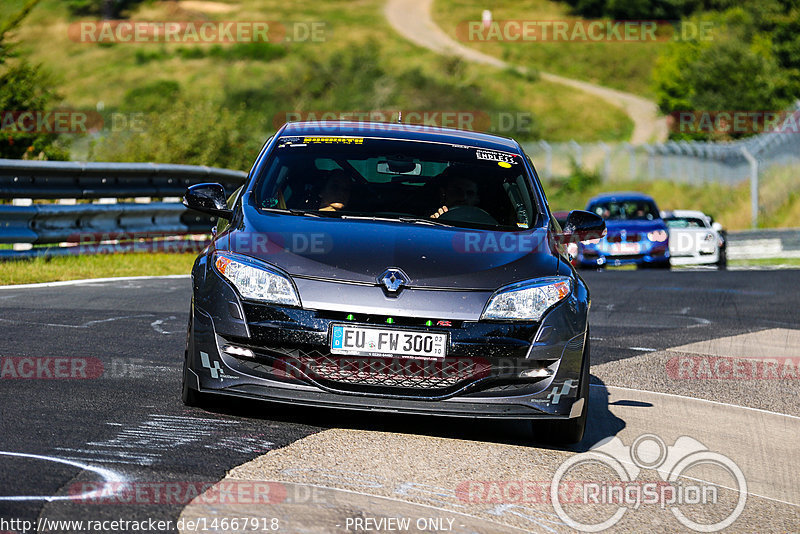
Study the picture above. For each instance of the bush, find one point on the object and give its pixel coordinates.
(25, 86)
(108, 9)
(192, 133)
(739, 69)
(360, 78)
(256, 51)
(154, 96)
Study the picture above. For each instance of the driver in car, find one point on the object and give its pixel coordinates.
(335, 192)
(457, 191)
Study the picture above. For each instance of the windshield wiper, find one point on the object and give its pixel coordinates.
(420, 220)
(415, 220)
(301, 212)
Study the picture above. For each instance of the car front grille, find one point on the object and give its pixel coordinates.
(364, 374)
(629, 238)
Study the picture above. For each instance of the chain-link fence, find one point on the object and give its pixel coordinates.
(692, 162)
(689, 162)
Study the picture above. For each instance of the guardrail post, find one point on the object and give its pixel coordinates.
(22, 202)
(753, 186)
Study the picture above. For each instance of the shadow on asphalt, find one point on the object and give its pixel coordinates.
(601, 422)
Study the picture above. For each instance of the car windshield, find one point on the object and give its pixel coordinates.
(684, 222)
(625, 210)
(411, 181)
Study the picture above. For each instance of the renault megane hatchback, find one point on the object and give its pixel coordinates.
(389, 267)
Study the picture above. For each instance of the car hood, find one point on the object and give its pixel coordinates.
(616, 226)
(361, 250)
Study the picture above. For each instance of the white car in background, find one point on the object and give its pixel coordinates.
(694, 239)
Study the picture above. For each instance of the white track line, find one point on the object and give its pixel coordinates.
(93, 280)
(109, 477)
(695, 399)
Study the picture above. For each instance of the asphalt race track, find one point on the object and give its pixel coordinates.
(101, 404)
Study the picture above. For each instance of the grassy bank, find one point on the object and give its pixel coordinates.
(359, 64)
(625, 65)
(100, 266)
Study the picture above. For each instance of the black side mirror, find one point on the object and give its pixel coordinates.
(207, 198)
(582, 226)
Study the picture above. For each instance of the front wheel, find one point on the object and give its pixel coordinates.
(722, 263)
(189, 396)
(567, 431)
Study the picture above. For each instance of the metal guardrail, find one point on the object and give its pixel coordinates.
(764, 244)
(105, 225)
(68, 179)
(112, 226)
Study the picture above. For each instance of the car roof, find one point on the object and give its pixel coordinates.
(399, 131)
(687, 213)
(620, 195)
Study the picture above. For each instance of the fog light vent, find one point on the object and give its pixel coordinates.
(536, 373)
(238, 351)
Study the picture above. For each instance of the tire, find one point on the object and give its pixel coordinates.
(567, 431)
(722, 263)
(189, 396)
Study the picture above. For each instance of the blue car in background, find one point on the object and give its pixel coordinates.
(636, 233)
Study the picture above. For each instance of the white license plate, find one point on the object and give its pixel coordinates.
(369, 341)
(624, 248)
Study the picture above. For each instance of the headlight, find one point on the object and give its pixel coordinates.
(657, 235)
(708, 237)
(255, 280)
(527, 300)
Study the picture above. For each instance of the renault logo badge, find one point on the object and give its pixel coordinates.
(393, 279)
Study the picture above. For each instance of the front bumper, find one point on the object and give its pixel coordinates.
(282, 355)
(698, 257)
(650, 254)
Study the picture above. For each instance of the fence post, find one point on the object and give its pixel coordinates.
(753, 185)
(606, 161)
(651, 161)
(548, 158)
(578, 149)
(631, 160)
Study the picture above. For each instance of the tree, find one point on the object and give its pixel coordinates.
(24, 87)
(747, 65)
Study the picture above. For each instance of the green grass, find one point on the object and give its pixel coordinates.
(265, 81)
(98, 266)
(766, 262)
(622, 65)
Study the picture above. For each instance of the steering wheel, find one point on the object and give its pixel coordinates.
(470, 214)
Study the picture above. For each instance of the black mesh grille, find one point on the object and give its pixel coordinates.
(339, 371)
